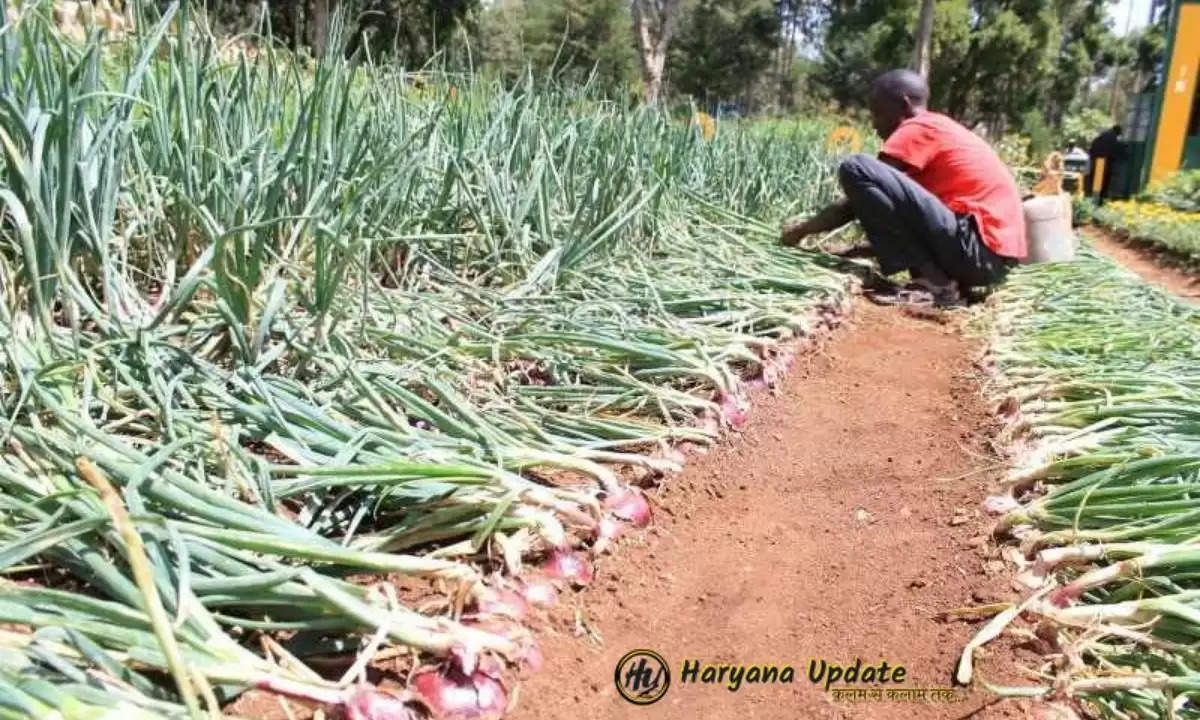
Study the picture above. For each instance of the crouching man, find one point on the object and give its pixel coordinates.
(937, 202)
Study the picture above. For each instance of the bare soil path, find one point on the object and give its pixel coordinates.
(837, 526)
(1153, 265)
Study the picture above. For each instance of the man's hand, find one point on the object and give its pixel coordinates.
(793, 232)
(830, 218)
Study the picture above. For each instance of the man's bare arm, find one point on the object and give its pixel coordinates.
(832, 217)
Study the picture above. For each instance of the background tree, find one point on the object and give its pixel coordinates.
(1150, 44)
(724, 51)
(865, 37)
(923, 38)
(581, 39)
(1024, 65)
(653, 27)
(409, 31)
(501, 41)
(319, 38)
(1123, 68)
(801, 26)
(991, 61)
(1087, 49)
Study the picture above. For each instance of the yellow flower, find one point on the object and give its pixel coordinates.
(844, 139)
(708, 126)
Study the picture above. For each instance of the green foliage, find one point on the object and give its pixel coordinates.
(501, 40)
(1149, 44)
(860, 39)
(1013, 149)
(1082, 126)
(1130, 62)
(992, 60)
(1083, 210)
(1085, 49)
(1010, 59)
(576, 41)
(723, 47)
(410, 31)
(1039, 132)
(317, 323)
(1179, 190)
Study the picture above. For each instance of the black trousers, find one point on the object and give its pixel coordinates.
(908, 226)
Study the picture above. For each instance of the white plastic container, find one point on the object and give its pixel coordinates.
(1048, 227)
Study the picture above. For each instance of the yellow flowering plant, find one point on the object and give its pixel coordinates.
(707, 125)
(1175, 230)
(844, 139)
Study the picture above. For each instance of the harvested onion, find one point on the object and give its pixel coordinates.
(731, 410)
(365, 702)
(568, 565)
(453, 694)
(629, 505)
(539, 592)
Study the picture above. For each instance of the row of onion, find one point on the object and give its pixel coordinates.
(1098, 374)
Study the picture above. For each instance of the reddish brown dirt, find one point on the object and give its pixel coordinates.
(1153, 265)
(838, 525)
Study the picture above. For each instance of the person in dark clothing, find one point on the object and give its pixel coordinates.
(1107, 146)
(937, 201)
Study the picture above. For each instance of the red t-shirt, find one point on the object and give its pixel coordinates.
(963, 171)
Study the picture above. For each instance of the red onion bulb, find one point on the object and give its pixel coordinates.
(455, 695)
(566, 564)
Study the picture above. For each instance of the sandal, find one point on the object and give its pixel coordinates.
(900, 296)
(944, 296)
(916, 295)
(874, 282)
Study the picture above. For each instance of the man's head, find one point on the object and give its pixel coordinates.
(1117, 130)
(896, 96)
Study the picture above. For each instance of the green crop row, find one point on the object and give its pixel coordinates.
(273, 337)
(1099, 374)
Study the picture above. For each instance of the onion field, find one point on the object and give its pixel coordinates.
(311, 366)
(345, 361)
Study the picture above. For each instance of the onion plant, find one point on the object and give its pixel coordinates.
(1099, 374)
(278, 335)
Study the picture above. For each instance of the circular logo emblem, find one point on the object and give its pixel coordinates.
(642, 677)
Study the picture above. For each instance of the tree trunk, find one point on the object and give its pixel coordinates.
(790, 63)
(653, 26)
(653, 65)
(923, 39)
(320, 27)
